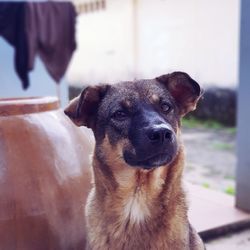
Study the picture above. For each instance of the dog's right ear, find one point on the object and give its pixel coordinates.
(82, 110)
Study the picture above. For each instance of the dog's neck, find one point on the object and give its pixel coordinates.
(135, 191)
(142, 206)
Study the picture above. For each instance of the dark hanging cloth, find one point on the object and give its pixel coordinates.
(12, 28)
(51, 35)
(46, 29)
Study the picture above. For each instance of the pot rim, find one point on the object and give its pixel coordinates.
(27, 105)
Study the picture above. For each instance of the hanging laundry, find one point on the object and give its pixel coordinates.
(12, 29)
(46, 29)
(51, 34)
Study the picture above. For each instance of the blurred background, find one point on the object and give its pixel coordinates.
(120, 40)
(142, 39)
(131, 39)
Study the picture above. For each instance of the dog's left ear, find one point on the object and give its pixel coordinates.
(183, 88)
(82, 110)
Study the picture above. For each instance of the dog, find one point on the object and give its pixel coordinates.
(137, 201)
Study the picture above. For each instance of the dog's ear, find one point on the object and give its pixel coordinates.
(82, 110)
(183, 88)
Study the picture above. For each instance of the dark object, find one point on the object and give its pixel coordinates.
(12, 28)
(46, 29)
(51, 34)
(225, 230)
(74, 91)
(217, 104)
(243, 139)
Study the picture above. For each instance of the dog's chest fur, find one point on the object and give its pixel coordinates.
(136, 210)
(138, 216)
(138, 198)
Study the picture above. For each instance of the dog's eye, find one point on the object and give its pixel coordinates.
(119, 115)
(165, 107)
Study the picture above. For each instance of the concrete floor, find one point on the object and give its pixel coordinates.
(211, 209)
(210, 158)
(212, 212)
(236, 241)
(210, 165)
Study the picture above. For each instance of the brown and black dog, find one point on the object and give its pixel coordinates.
(137, 200)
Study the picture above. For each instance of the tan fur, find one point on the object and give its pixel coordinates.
(131, 208)
(154, 98)
(127, 104)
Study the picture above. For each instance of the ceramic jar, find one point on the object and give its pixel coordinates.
(44, 176)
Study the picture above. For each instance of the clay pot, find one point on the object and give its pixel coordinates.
(44, 176)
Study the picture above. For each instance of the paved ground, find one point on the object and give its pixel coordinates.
(236, 241)
(211, 163)
(211, 158)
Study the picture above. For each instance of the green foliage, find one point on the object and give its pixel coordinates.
(222, 146)
(205, 185)
(229, 177)
(231, 130)
(230, 190)
(192, 122)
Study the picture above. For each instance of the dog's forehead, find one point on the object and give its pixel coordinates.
(136, 90)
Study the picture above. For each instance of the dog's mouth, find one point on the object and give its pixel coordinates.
(152, 161)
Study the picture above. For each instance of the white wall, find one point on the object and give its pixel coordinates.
(104, 50)
(196, 36)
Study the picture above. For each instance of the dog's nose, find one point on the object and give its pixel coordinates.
(159, 135)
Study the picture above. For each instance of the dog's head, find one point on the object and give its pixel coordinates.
(136, 123)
